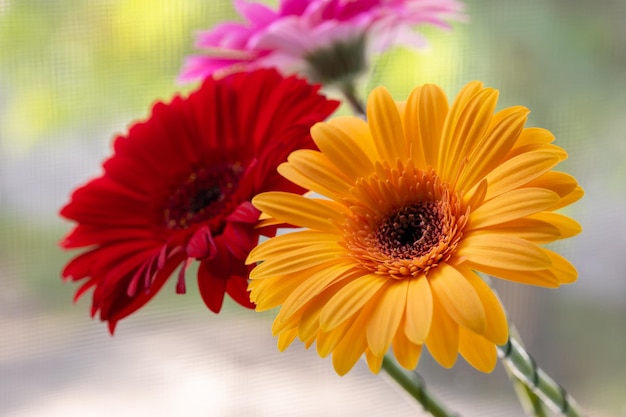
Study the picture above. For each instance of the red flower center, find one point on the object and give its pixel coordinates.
(204, 195)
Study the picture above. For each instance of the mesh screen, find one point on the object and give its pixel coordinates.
(75, 72)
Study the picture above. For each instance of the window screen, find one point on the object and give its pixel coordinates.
(74, 73)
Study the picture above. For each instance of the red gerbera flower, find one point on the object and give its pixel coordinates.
(178, 189)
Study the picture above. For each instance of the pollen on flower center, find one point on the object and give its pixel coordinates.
(404, 221)
(202, 195)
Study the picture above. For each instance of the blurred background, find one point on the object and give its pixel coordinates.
(75, 72)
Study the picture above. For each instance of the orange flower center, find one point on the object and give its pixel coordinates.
(404, 221)
(411, 231)
(202, 196)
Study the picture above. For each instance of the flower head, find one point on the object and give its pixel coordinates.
(417, 200)
(178, 189)
(329, 41)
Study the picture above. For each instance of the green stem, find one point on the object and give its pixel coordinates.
(519, 362)
(532, 405)
(415, 386)
(349, 93)
(535, 405)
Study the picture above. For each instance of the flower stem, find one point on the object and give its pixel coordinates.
(532, 405)
(415, 386)
(348, 91)
(519, 362)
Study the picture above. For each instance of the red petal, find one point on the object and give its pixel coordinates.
(116, 304)
(244, 213)
(237, 288)
(211, 281)
(181, 288)
(201, 246)
(240, 239)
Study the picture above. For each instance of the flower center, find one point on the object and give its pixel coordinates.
(404, 221)
(411, 231)
(202, 196)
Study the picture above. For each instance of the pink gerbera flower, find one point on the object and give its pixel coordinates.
(329, 41)
(178, 189)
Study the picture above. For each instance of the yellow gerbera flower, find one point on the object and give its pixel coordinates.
(420, 197)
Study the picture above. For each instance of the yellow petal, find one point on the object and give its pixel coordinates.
(314, 172)
(532, 229)
(425, 113)
(335, 208)
(299, 260)
(315, 283)
(406, 352)
(285, 339)
(305, 181)
(386, 316)
(475, 197)
(340, 149)
(298, 210)
(511, 206)
(271, 292)
(487, 156)
(459, 104)
(502, 251)
(534, 136)
(282, 326)
(477, 351)
(327, 341)
(308, 342)
(268, 221)
(401, 106)
(566, 226)
(359, 131)
(497, 328)
(560, 152)
(386, 126)
(505, 113)
(466, 133)
(374, 362)
(542, 278)
(353, 344)
(350, 299)
(559, 182)
(309, 326)
(518, 171)
(411, 123)
(458, 297)
(562, 268)
(419, 310)
(570, 198)
(284, 243)
(443, 339)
